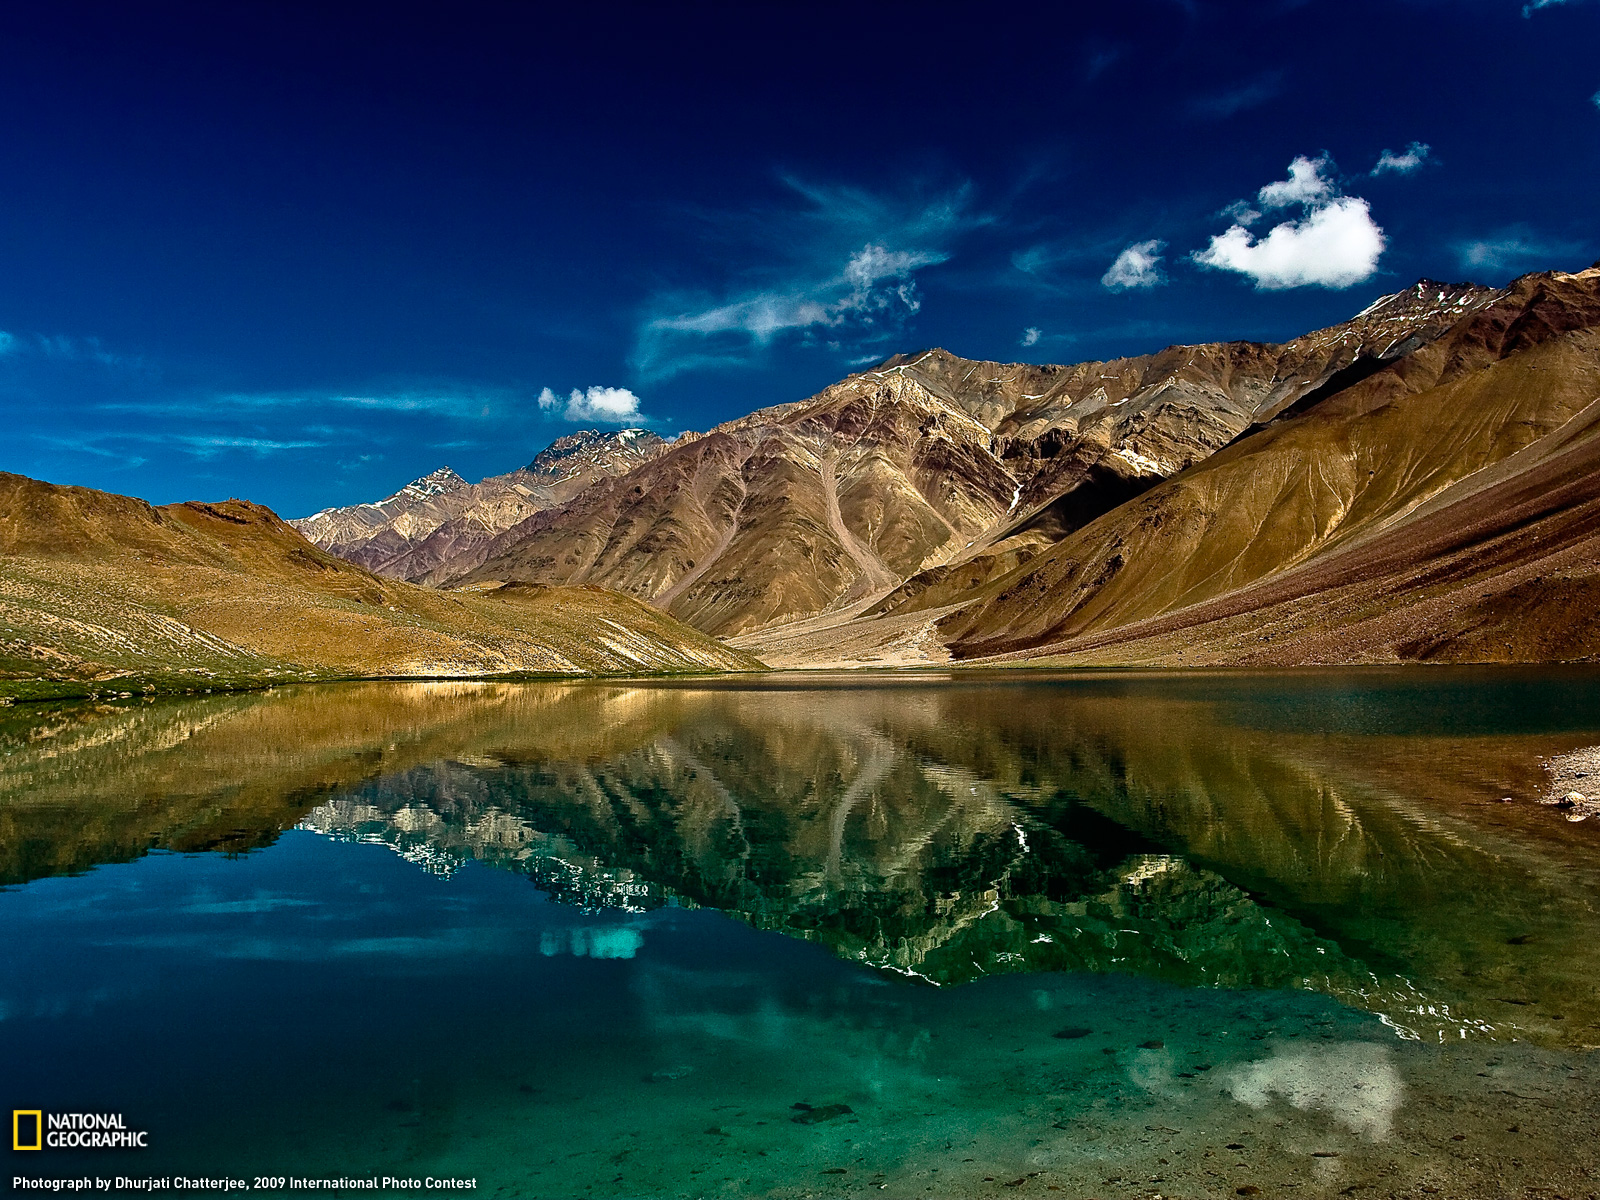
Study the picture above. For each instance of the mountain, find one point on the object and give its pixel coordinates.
(442, 517)
(1444, 507)
(930, 475)
(102, 592)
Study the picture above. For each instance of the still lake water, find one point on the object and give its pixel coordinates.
(988, 934)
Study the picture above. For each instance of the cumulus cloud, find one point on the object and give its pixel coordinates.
(1030, 336)
(1403, 163)
(605, 405)
(840, 274)
(1305, 185)
(1334, 243)
(1138, 266)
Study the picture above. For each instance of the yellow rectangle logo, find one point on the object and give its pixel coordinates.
(20, 1118)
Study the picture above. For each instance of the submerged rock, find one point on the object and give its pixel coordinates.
(815, 1116)
(668, 1074)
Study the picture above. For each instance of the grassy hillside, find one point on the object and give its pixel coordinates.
(100, 592)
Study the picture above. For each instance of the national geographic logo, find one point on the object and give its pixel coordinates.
(35, 1129)
(27, 1129)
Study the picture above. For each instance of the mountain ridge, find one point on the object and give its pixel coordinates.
(926, 463)
(100, 592)
(440, 515)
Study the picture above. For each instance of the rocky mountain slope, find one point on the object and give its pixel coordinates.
(106, 592)
(930, 475)
(1445, 507)
(441, 517)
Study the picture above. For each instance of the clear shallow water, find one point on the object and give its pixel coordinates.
(1084, 934)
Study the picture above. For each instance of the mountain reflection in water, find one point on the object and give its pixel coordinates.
(1182, 828)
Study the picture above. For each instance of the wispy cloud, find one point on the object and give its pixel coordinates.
(1253, 93)
(467, 404)
(1030, 336)
(1036, 259)
(1100, 57)
(840, 272)
(1534, 6)
(1138, 266)
(449, 402)
(209, 447)
(105, 445)
(1403, 163)
(604, 405)
(1335, 242)
(63, 348)
(1514, 249)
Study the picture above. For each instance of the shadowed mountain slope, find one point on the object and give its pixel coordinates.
(97, 588)
(927, 470)
(1442, 507)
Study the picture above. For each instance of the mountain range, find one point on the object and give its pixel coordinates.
(442, 518)
(104, 594)
(1419, 483)
(1414, 483)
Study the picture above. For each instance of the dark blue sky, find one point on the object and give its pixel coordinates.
(304, 254)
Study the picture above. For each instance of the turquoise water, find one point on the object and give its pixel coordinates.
(1309, 933)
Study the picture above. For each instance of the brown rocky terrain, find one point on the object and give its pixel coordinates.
(1443, 508)
(107, 592)
(441, 517)
(931, 475)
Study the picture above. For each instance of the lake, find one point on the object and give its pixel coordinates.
(939, 934)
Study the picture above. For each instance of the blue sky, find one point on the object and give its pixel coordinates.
(303, 254)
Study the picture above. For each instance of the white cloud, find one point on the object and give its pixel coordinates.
(1334, 244)
(1030, 336)
(840, 274)
(1138, 266)
(1242, 212)
(1305, 185)
(1534, 6)
(1596, 99)
(606, 405)
(1402, 164)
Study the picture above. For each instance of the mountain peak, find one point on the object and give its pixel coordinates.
(590, 444)
(434, 483)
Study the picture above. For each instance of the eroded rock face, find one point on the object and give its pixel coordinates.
(880, 486)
